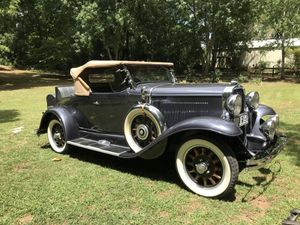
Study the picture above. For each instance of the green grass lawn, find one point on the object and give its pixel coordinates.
(91, 188)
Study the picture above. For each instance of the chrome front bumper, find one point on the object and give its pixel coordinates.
(266, 156)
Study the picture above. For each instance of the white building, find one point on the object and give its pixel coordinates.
(266, 51)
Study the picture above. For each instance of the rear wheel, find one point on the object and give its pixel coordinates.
(57, 137)
(206, 168)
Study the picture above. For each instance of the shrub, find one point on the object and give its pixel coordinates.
(296, 55)
(243, 77)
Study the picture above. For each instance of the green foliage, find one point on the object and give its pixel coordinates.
(5, 43)
(296, 57)
(57, 34)
(194, 34)
(281, 19)
(216, 76)
(256, 80)
(243, 78)
(262, 65)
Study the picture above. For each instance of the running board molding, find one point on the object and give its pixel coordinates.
(99, 146)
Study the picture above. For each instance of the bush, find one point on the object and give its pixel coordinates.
(5, 52)
(256, 80)
(262, 65)
(216, 76)
(296, 55)
(243, 77)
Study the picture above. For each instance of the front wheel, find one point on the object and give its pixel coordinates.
(57, 137)
(207, 169)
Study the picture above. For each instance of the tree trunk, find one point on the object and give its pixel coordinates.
(207, 57)
(282, 72)
(109, 53)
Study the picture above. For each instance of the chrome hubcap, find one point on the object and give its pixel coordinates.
(202, 167)
(142, 132)
(58, 135)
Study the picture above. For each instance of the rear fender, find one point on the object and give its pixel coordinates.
(64, 116)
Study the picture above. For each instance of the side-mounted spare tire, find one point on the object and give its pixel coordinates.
(143, 124)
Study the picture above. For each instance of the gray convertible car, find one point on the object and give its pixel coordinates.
(136, 109)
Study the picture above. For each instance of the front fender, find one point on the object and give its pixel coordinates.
(261, 111)
(212, 124)
(64, 116)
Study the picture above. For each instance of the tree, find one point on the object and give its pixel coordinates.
(220, 26)
(8, 14)
(281, 19)
(58, 34)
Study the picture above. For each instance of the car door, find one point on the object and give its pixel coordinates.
(109, 111)
(107, 105)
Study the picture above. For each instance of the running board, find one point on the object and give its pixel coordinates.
(102, 146)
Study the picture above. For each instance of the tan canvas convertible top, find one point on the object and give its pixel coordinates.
(81, 87)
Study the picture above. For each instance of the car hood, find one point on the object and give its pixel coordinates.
(167, 89)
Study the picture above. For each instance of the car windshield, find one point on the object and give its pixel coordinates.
(150, 74)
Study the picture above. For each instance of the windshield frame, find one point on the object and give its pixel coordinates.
(171, 76)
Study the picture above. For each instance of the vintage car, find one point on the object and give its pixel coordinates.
(136, 109)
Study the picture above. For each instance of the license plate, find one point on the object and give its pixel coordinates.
(243, 119)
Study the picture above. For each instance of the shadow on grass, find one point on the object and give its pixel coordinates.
(15, 80)
(162, 168)
(292, 131)
(262, 182)
(9, 115)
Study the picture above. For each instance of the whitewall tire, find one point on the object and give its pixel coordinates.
(141, 127)
(56, 136)
(207, 169)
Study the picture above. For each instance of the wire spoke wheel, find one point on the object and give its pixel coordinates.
(142, 126)
(205, 168)
(143, 130)
(57, 137)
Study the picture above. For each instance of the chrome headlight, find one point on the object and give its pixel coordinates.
(270, 126)
(252, 99)
(234, 104)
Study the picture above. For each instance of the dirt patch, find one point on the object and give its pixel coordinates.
(262, 204)
(163, 214)
(165, 194)
(20, 79)
(26, 219)
(260, 207)
(135, 210)
(20, 167)
(5, 68)
(194, 205)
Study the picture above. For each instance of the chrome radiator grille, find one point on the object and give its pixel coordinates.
(176, 109)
